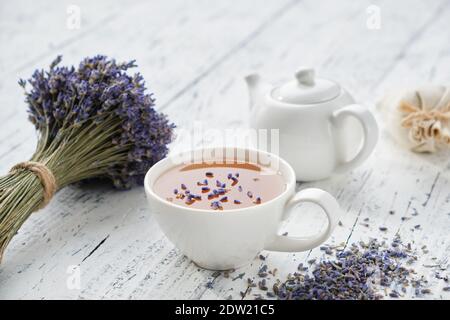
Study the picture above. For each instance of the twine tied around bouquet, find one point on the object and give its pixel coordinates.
(44, 174)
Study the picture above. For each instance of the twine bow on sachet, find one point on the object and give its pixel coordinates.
(425, 112)
(426, 124)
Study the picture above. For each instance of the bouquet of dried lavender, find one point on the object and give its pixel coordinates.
(94, 121)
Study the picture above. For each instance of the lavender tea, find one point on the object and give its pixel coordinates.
(219, 186)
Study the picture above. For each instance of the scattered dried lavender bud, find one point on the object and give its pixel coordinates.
(262, 285)
(183, 186)
(257, 201)
(276, 289)
(235, 181)
(340, 224)
(285, 234)
(391, 212)
(240, 188)
(249, 194)
(237, 202)
(263, 269)
(175, 191)
(417, 226)
(261, 257)
(239, 276)
(229, 176)
(446, 289)
(209, 174)
(224, 199)
(393, 294)
(382, 228)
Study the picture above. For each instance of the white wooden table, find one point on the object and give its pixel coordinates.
(194, 55)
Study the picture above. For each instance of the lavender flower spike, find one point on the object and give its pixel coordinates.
(100, 93)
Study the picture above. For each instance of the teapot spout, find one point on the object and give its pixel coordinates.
(257, 89)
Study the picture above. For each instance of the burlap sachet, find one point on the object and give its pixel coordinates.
(418, 118)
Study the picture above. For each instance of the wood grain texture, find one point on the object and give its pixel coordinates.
(194, 57)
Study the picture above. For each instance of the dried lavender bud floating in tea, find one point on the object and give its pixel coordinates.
(205, 189)
(270, 184)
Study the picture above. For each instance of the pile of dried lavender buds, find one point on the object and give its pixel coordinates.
(361, 271)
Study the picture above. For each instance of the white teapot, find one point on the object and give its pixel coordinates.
(321, 129)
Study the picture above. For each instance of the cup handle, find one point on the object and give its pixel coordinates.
(370, 129)
(295, 244)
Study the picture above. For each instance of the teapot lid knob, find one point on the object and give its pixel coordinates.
(306, 89)
(305, 76)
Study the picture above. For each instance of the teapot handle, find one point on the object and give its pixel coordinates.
(370, 128)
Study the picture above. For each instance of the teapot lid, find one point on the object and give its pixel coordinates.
(306, 89)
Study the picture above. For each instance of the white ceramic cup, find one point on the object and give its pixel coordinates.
(232, 238)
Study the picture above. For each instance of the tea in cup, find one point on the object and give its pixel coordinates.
(222, 206)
